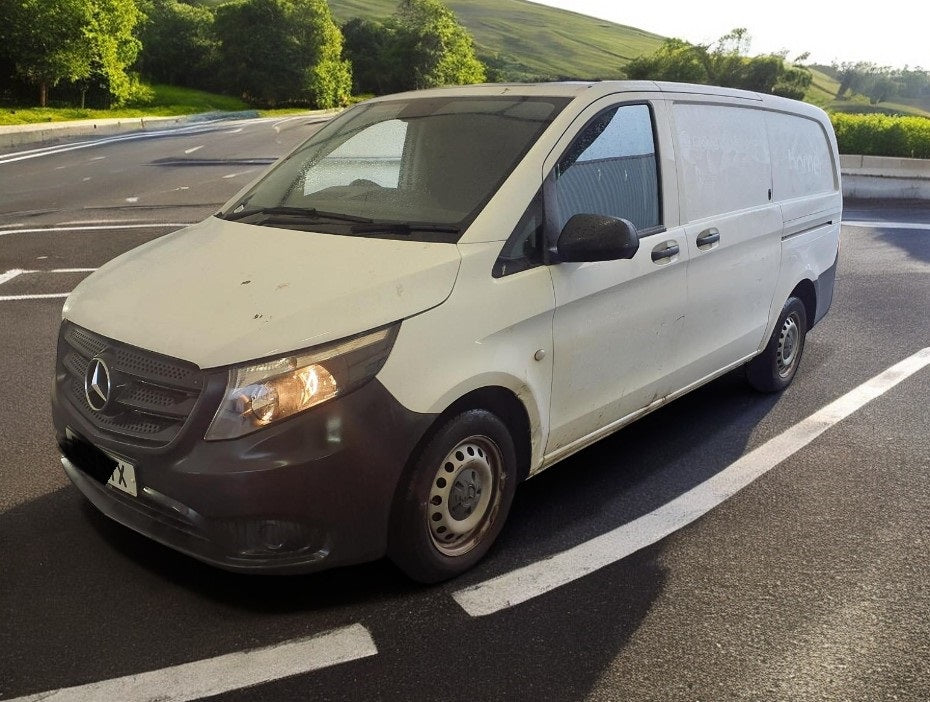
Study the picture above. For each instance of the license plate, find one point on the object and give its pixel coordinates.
(124, 475)
(124, 478)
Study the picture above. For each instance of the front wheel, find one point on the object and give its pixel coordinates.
(455, 498)
(774, 368)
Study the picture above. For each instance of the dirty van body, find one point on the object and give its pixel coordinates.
(436, 296)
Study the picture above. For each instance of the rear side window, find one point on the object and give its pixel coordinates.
(801, 157)
(724, 158)
(610, 169)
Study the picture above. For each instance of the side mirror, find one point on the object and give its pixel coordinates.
(588, 237)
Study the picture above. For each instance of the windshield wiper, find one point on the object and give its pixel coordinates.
(371, 227)
(310, 213)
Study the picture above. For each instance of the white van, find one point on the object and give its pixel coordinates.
(436, 296)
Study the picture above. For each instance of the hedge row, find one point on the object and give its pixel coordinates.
(882, 135)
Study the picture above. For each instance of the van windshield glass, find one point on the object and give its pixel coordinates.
(420, 168)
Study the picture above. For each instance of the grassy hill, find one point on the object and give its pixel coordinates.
(544, 41)
(823, 93)
(527, 41)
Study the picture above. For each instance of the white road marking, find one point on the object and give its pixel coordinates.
(132, 199)
(99, 227)
(234, 671)
(233, 175)
(538, 578)
(886, 225)
(9, 275)
(193, 149)
(63, 148)
(289, 119)
(39, 296)
(234, 131)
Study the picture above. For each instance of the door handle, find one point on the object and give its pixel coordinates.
(708, 238)
(664, 252)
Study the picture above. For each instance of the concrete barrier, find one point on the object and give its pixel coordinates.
(14, 136)
(883, 177)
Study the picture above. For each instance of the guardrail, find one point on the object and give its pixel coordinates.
(883, 177)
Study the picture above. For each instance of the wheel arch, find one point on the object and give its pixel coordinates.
(502, 402)
(806, 292)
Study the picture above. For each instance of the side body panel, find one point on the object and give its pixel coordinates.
(486, 334)
(807, 187)
(733, 230)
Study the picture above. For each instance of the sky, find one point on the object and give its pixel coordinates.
(891, 34)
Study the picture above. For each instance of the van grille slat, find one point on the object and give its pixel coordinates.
(152, 395)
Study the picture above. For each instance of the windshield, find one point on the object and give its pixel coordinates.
(419, 168)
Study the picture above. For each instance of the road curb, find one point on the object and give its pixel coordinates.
(14, 136)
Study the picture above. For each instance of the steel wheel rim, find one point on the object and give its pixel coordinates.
(465, 495)
(789, 345)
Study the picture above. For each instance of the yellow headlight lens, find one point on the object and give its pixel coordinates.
(290, 393)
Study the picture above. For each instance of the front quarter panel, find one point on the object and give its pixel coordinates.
(489, 332)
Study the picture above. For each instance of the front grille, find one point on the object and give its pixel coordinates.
(151, 396)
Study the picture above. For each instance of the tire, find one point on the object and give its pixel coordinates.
(774, 368)
(454, 498)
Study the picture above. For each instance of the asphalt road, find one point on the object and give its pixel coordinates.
(812, 583)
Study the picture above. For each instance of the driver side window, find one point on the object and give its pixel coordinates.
(610, 169)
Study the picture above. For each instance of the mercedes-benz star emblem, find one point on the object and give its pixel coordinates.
(97, 384)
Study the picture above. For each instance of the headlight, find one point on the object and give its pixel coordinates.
(267, 392)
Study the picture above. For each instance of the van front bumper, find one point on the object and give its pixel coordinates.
(311, 493)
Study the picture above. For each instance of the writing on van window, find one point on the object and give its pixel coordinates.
(801, 161)
(724, 156)
(610, 169)
(372, 156)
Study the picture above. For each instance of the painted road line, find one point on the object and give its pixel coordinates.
(9, 275)
(234, 671)
(64, 270)
(886, 225)
(239, 173)
(94, 228)
(535, 579)
(64, 148)
(38, 296)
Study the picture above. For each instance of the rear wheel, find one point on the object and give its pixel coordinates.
(455, 498)
(775, 368)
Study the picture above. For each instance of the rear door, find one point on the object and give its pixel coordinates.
(617, 324)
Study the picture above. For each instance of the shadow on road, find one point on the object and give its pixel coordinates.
(87, 599)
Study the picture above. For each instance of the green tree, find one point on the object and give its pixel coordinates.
(283, 51)
(369, 46)
(675, 60)
(724, 64)
(433, 47)
(77, 41)
(47, 42)
(327, 76)
(793, 82)
(114, 46)
(178, 44)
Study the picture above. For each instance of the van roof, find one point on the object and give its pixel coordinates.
(575, 88)
(596, 89)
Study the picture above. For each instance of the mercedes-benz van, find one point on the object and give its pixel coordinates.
(434, 297)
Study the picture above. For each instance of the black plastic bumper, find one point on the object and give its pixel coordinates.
(824, 287)
(311, 493)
